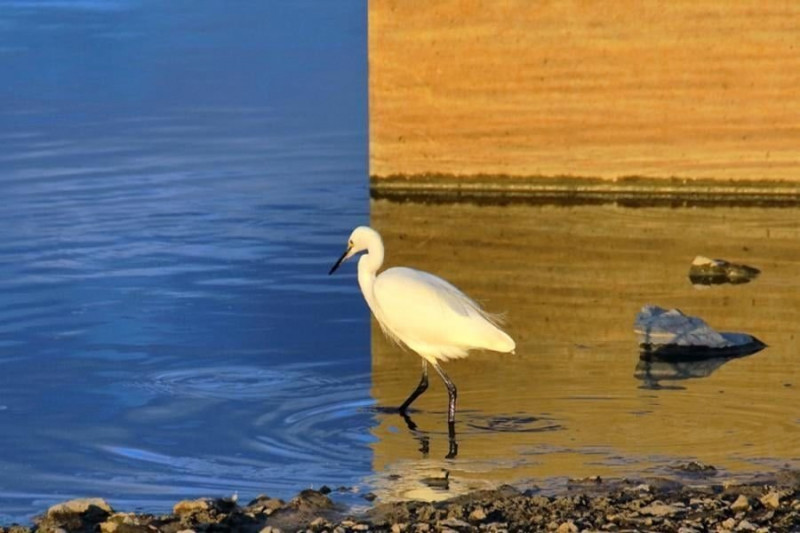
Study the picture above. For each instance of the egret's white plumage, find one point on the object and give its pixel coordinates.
(422, 311)
(434, 318)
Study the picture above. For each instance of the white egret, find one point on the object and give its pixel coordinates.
(423, 312)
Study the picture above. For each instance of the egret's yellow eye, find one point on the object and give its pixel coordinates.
(350, 244)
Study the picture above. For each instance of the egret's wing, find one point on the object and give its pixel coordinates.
(424, 288)
(421, 309)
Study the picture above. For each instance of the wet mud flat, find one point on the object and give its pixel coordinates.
(698, 502)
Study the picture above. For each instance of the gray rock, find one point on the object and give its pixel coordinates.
(671, 336)
(656, 326)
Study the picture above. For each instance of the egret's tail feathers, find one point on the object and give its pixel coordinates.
(503, 343)
(497, 319)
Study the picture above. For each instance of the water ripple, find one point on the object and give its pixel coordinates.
(234, 383)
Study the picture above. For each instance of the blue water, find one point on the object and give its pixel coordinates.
(176, 179)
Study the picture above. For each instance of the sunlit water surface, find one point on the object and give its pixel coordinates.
(575, 401)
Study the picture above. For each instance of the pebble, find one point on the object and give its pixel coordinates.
(477, 515)
(660, 509)
(454, 522)
(744, 525)
(771, 500)
(567, 527)
(615, 506)
(741, 504)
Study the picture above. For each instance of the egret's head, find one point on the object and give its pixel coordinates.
(360, 240)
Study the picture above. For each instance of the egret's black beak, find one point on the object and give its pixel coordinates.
(340, 261)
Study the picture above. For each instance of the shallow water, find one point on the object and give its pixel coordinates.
(574, 400)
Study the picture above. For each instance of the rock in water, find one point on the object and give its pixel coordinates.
(673, 335)
(705, 271)
(75, 515)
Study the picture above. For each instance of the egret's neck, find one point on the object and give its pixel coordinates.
(368, 266)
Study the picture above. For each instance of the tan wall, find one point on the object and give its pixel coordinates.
(706, 88)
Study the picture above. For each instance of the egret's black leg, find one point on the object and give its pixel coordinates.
(422, 387)
(452, 392)
(451, 433)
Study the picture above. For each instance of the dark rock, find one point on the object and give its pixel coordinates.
(311, 501)
(263, 504)
(705, 271)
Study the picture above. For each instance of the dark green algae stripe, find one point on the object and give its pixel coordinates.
(633, 191)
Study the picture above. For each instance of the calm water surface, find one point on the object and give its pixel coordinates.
(177, 178)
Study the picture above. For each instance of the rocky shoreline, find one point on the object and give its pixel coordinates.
(703, 504)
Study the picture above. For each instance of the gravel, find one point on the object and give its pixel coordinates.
(761, 505)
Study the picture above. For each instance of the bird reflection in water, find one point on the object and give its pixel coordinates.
(425, 440)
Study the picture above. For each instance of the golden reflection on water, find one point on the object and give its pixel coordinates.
(569, 404)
